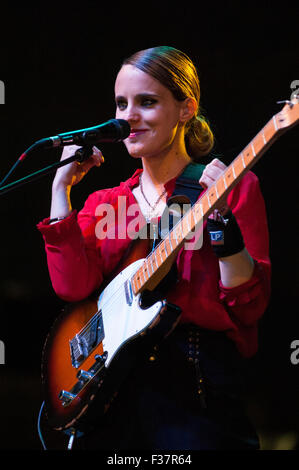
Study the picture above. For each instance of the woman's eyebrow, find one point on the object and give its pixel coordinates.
(147, 94)
(139, 96)
(118, 98)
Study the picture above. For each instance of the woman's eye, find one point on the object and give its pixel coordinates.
(121, 105)
(148, 102)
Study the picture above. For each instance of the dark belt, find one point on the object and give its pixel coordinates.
(218, 365)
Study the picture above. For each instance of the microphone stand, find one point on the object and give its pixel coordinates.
(80, 155)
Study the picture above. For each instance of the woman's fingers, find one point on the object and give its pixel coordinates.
(97, 156)
(74, 172)
(96, 159)
(212, 172)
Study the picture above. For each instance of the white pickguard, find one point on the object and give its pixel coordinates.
(123, 321)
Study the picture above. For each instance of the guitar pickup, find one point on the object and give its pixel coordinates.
(84, 342)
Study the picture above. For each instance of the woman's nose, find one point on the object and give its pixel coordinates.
(131, 114)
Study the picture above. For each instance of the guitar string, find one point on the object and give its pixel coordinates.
(118, 292)
(192, 209)
(107, 306)
(179, 222)
(148, 256)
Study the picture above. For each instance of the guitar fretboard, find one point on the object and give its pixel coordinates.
(206, 204)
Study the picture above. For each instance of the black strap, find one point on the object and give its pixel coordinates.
(187, 183)
(187, 190)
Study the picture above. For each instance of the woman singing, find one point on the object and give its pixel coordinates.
(190, 395)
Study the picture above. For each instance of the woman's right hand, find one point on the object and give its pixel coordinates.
(72, 173)
(67, 176)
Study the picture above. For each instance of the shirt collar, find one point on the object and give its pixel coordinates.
(134, 181)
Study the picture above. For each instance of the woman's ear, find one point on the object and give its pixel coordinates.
(188, 109)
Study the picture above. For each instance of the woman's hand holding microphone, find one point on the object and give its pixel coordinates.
(68, 176)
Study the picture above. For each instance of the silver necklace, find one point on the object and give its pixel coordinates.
(153, 207)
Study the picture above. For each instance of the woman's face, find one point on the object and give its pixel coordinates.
(151, 110)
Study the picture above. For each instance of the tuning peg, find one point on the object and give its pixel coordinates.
(287, 102)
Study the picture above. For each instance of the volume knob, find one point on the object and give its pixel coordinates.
(84, 375)
(66, 397)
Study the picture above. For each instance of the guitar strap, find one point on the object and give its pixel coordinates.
(187, 190)
(187, 183)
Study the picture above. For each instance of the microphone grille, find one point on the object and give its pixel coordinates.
(124, 128)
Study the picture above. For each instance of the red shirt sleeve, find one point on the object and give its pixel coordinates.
(73, 258)
(246, 303)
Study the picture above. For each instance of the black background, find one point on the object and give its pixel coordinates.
(59, 63)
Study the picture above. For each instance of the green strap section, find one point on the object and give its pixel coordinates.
(193, 171)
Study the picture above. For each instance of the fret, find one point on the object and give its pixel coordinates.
(169, 247)
(205, 204)
(165, 248)
(247, 155)
(224, 181)
(258, 143)
(275, 123)
(178, 234)
(145, 270)
(138, 280)
(243, 161)
(141, 275)
(156, 261)
(184, 226)
(264, 138)
(238, 167)
(229, 175)
(201, 210)
(253, 151)
(234, 173)
(187, 221)
(220, 187)
(151, 263)
(198, 211)
(207, 195)
(169, 240)
(159, 250)
(195, 211)
(175, 237)
(212, 195)
(191, 222)
(134, 285)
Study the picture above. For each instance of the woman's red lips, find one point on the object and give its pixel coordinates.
(136, 132)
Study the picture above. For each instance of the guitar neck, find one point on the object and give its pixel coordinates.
(199, 212)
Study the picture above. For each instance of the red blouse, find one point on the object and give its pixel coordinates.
(79, 259)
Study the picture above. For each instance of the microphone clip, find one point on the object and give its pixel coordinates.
(83, 153)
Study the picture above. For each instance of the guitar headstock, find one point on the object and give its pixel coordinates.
(289, 115)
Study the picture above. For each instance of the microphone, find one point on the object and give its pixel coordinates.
(111, 131)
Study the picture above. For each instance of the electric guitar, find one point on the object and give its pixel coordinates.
(93, 344)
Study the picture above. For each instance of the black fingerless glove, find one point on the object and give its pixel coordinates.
(225, 235)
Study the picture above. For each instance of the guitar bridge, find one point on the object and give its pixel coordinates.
(95, 373)
(84, 342)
